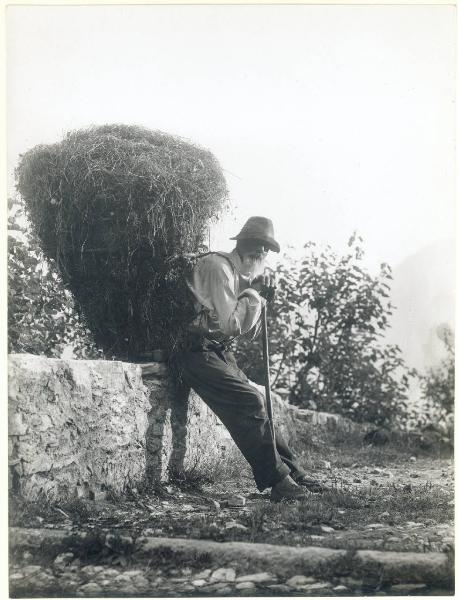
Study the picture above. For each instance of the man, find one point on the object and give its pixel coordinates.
(227, 290)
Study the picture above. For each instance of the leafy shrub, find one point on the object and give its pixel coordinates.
(42, 317)
(436, 410)
(326, 329)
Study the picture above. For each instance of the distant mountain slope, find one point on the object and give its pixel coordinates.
(423, 290)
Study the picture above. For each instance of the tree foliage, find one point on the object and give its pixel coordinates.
(42, 317)
(326, 329)
(438, 389)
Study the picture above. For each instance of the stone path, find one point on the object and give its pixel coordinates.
(68, 575)
(99, 581)
(205, 517)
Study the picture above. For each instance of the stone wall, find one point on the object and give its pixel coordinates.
(75, 427)
(183, 433)
(80, 427)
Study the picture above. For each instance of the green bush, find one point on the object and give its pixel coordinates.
(42, 317)
(438, 391)
(326, 329)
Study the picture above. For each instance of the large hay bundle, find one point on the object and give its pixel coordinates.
(112, 205)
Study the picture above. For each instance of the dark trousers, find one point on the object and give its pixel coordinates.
(214, 375)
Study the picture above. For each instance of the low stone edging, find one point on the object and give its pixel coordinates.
(432, 568)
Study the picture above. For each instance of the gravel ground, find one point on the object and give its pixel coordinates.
(68, 577)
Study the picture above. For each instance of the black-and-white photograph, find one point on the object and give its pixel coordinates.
(231, 300)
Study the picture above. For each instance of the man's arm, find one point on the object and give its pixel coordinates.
(236, 314)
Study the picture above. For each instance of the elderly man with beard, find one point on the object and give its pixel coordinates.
(227, 288)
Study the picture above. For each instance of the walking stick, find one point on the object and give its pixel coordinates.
(265, 356)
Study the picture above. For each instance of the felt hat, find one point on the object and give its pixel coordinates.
(259, 228)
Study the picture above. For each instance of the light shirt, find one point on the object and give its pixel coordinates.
(226, 304)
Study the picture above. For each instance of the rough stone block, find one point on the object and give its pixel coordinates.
(75, 421)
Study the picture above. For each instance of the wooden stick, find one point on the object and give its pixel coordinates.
(265, 356)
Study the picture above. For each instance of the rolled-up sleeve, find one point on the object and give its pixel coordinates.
(236, 314)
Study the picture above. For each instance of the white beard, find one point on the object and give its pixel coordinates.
(253, 267)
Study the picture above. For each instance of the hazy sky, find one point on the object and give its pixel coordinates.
(325, 118)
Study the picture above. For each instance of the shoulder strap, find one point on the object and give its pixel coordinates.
(234, 270)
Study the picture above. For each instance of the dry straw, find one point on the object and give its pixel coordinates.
(118, 207)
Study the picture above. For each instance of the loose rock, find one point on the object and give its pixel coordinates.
(141, 583)
(222, 575)
(225, 591)
(407, 587)
(99, 569)
(317, 586)
(89, 589)
(245, 585)
(215, 587)
(340, 589)
(122, 578)
(63, 559)
(257, 578)
(30, 570)
(203, 574)
(134, 573)
(236, 500)
(44, 581)
(111, 573)
(300, 580)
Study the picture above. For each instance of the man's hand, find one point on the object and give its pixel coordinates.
(265, 284)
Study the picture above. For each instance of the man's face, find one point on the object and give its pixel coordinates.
(254, 257)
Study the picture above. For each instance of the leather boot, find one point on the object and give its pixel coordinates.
(288, 489)
(313, 485)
